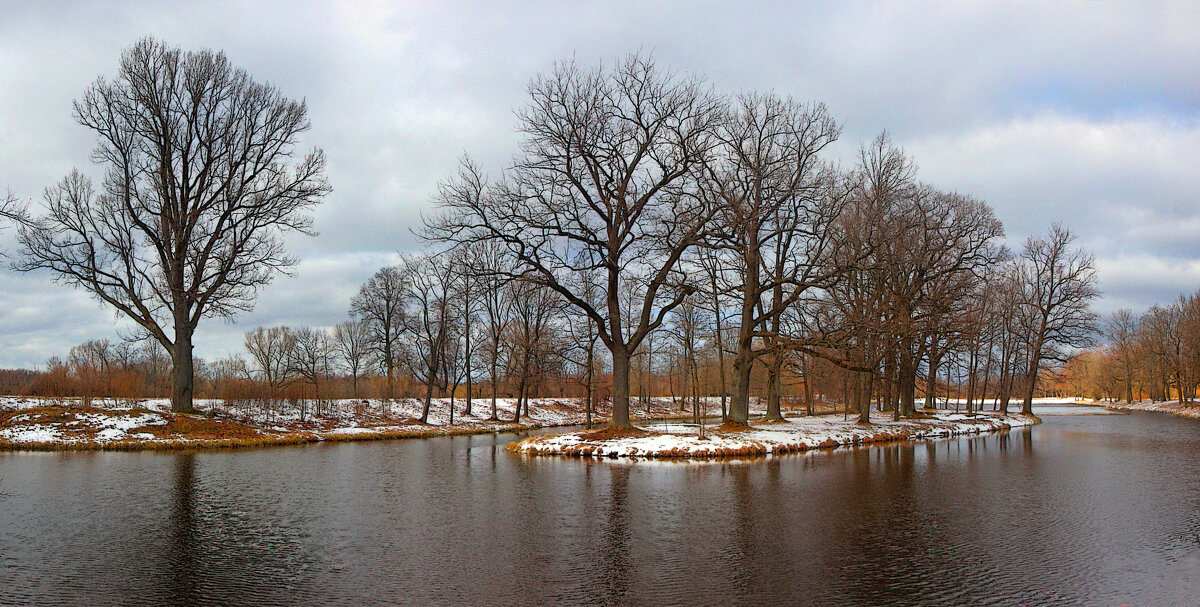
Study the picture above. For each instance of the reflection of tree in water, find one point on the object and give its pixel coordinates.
(183, 544)
(889, 525)
(615, 558)
(762, 537)
(245, 551)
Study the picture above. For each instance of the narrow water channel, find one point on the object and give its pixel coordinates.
(1083, 509)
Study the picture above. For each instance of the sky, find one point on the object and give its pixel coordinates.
(1082, 113)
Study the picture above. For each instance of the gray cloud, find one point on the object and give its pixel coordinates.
(1081, 113)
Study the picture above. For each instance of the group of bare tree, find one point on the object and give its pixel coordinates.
(643, 208)
(446, 323)
(126, 368)
(641, 196)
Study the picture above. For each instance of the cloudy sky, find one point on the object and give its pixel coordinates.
(1084, 113)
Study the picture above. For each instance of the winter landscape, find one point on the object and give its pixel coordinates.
(599, 304)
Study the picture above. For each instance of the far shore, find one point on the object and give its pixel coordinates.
(75, 424)
(1188, 410)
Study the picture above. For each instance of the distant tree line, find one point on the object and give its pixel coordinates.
(1154, 355)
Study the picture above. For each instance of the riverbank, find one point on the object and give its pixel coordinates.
(801, 434)
(1188, 410)
(139, 424)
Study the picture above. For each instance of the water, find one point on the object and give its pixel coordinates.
(1080, 510)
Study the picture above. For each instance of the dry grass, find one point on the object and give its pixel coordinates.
(201, 428)
(611, 433)
(180, 431)
(159, 445)
(208, 432)
(729, 427)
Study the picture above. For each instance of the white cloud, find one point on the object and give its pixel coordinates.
(1124, 185)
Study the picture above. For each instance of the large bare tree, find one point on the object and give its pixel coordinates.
(1058, 285)
(202, 179)
(603, 183)
(776, 201)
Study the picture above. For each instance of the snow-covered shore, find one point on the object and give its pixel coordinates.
(127, 424)
(1189, 410)
(801, 434)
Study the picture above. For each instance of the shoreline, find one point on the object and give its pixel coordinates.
(793, 436)
(72, 424)
(1188, 410)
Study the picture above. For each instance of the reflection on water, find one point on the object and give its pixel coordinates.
(1079, 510)
(184, 544)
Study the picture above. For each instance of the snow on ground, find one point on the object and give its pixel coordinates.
(801, 434)
(77, 426)
(1189, 410)
(126, 421)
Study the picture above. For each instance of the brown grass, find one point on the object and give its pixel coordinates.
(201, 428)
(611, 433)
(729, 427)
(205, 432)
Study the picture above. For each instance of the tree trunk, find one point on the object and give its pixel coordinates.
(935, 358)
(774, 388)
(739, 399)
(620, 390)
(806, 368)
(391, 368)
(521, 387)
(1030, 380)
(591, 371)
(863, 396)
(1128, 384)
(972, 363)
(467, 362)
(428, 401)
(182, 372)
(495, 384)
(908, 384)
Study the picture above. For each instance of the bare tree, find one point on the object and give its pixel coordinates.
(776, 201)
(430, 319)
(199, 188)
(529, 336)
(271, 352)
(467, 287)
(687, 323)
(851, 319)
(715, 290)
(379, 304)
(351, 339)
(602, 184)
(1122, 333)
(1058, 286)
(311, 357)
(490, 267)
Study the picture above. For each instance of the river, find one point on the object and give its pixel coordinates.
(1083, 509)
